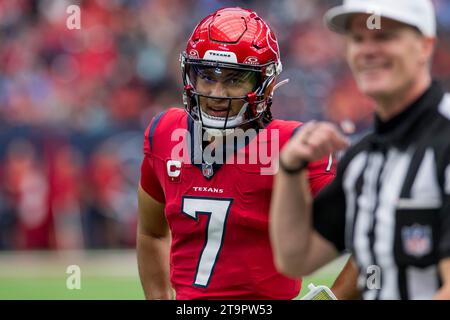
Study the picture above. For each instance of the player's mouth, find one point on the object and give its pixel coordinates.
(217, 111)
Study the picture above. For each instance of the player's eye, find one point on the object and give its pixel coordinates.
(206, 77)
(240, 78)
(234, 80)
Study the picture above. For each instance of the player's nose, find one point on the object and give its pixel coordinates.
(218, 90)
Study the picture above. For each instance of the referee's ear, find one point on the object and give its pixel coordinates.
(428, 48)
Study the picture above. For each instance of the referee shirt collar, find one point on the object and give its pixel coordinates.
(401, 129)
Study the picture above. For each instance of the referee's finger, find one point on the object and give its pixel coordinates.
(321, 143)
(340, 141)
(314, 141)
(305, 131)
(327, 135)
(337, 138)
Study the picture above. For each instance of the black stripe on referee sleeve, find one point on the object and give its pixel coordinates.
(402, 283)
(371, 234)
(329, 213)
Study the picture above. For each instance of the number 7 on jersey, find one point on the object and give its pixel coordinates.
(217, 210)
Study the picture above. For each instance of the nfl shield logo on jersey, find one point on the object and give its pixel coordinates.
(417, 240)
(207, 170)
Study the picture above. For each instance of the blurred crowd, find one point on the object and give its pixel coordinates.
(74, 103)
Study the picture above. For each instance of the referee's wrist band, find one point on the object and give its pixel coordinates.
(292, 171)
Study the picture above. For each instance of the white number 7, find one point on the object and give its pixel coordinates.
(217, 211)
(330, 162)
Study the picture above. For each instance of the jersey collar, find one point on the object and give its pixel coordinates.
(404, 127)
(196, 151)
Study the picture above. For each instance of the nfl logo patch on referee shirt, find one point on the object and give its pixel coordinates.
(417, 240)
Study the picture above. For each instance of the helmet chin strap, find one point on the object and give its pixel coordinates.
(218, 132)
(219, 123)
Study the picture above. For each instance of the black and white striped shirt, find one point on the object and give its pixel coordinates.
(390, 202)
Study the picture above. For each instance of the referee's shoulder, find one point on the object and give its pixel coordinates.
(442, 124)
(440, 133)
(444, 109)
(362, 144)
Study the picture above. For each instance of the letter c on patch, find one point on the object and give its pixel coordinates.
(173, 168)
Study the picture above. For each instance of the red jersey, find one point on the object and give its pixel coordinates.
(218, 215)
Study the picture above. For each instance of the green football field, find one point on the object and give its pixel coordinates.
(105, 275)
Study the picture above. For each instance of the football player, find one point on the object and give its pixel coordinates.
(203, 225)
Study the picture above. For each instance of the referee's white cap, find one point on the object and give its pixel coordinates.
(417, 13)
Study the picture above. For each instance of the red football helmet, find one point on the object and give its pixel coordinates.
(232, 39)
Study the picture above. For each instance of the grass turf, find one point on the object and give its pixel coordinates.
(43, 277)
(51, 288)
(93, 288)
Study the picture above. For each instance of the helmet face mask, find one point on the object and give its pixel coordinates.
(236, 82)
(231, 84)
(242, 100)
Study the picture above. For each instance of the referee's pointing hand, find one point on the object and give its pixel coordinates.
(313, 141)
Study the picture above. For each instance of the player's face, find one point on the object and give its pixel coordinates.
(219, 82)
(385, 61)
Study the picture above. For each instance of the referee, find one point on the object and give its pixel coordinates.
(390, 201)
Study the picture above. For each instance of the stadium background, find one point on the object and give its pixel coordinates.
(73, 108)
